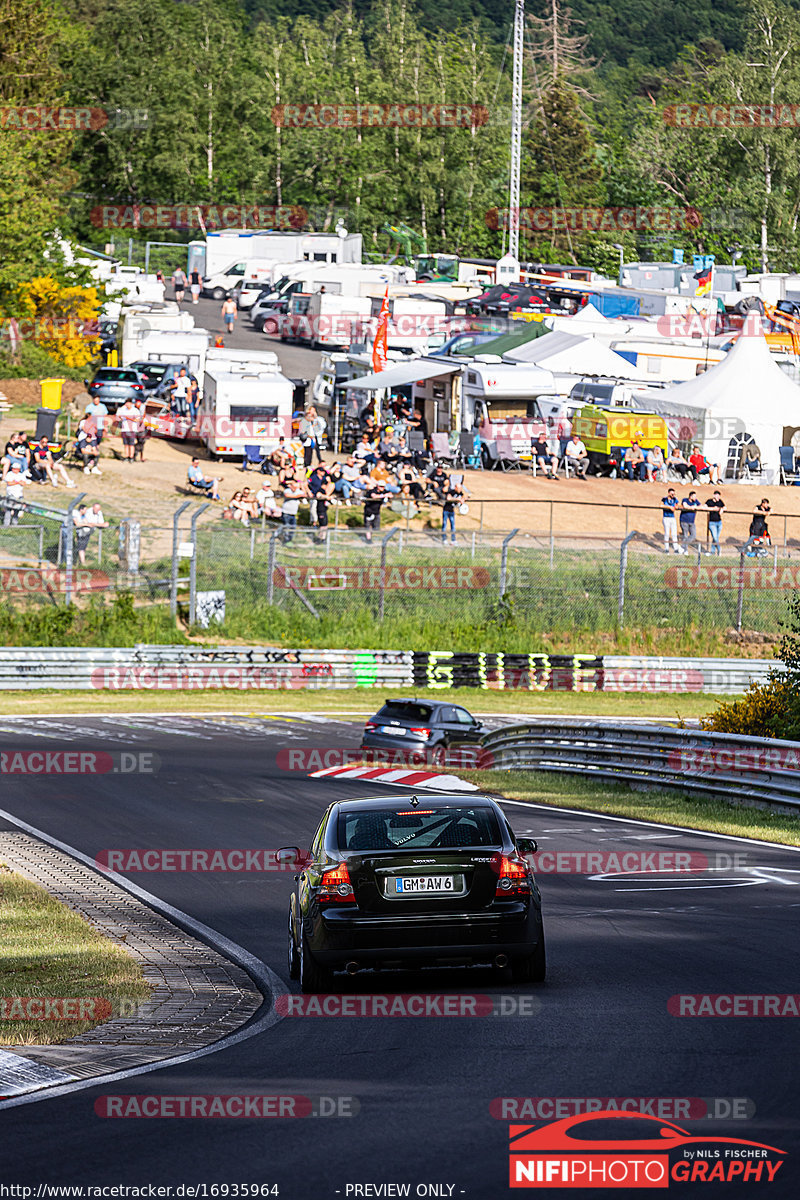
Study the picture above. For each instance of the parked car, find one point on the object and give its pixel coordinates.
(506, 297)
(115, 385)
(266, 313)
(402, 881)
(420, 725)
(462, 343)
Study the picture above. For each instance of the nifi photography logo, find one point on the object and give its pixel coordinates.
(614, 1149)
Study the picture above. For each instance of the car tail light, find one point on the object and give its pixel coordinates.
(137, 387)
(512, 874)
(335, 886)
(423, 733)
(370, 727)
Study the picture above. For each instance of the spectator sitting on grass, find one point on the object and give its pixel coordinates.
(365, 450)
(16, 451)
(348, 479)
(240, 508)
(265, 499)
(279, 458)
(197, 479)
(677, 463)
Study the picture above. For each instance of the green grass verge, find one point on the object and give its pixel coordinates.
(673, 808)
(50, 951)
(358, 701)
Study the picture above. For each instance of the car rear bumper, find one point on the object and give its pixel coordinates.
(381, 741)
(476, 937)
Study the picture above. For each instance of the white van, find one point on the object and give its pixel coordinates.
(243, 406)
(134, 322)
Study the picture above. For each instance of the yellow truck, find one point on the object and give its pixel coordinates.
(605, 430)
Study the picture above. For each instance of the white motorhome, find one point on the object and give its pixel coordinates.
(227, 248)
(518, 401)
(244, 404)
(137, 320)
(135, 283)
(260, 360)
(187, 347)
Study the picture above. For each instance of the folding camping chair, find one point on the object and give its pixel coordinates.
(507, 456)
(789, 472)
(442, 450)
(253, 455)
(416, 444)
(469, 450)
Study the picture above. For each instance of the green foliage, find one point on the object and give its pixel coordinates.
(101, 623)
(764, 711)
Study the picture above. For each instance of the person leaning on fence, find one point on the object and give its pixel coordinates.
(84, 521)
(293, 493)
(198, 480)
(374, 496)
(759, 537)
(669, 504)
(715, 508)
(689, 507)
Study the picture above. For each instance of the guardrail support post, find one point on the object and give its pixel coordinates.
(193, 565)
(66, 533)
(384, 547)
(623, 566)
(173, 591)
(504, 561)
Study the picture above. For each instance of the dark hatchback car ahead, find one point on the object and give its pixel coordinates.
(427, 726)
(395, 882)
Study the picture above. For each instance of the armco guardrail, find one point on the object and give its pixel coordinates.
(245, 667)
(714, 764)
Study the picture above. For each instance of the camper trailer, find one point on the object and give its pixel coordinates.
(244, 404)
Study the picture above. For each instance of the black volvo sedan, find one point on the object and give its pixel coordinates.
(403, 882)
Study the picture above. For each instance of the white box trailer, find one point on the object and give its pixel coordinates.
(242, 406)
(259, 360)
(226, 246)
(136, 321)
(667, 360)
(187, 347)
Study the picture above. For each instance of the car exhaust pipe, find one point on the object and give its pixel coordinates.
(501, 960)
(353, 968)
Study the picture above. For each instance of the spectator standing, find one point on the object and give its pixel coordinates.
(374, 496)
(669, 504)
(715, 507)
(311, 431)
(128, 417)
(229, 314)
(15, 491)
(98, 412)
(85, 522)
(452, 497)
(141, 432)
(759, 529)
(577, 457)
(179, 283)
(179, 393)
(293, 493)
(689, 507)
(197, 285)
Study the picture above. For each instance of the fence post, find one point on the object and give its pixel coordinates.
(552, 543)
(41, 544)
(66, 533)
(173, 592)
(504, 561)
(384, 547)
(193, 565)
(623, 565)
(271, 555)
(740, 597)
(252, 542)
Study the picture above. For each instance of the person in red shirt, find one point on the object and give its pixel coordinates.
(699, 466)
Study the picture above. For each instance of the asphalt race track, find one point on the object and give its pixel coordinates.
(600, 1027)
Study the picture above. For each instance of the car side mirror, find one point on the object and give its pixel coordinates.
(289, 857)
(527, 845)
(478, 724)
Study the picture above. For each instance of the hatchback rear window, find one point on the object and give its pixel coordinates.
(405, 710)
(425, 829)
(114, 376)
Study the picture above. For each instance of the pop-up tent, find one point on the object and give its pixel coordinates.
(745, 398)
(574, 354)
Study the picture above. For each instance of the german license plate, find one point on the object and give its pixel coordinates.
(425, 885)
(394, 730)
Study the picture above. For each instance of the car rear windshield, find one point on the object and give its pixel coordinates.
(115, 375)
(405, 710)
(423, 829)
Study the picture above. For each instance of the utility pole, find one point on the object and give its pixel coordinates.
(516, 131)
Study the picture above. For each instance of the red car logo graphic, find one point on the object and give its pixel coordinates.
(565, 1154)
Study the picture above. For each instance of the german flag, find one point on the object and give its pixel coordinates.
(703, 281)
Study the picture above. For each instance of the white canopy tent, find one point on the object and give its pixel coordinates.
(745, 397)
(574, 354)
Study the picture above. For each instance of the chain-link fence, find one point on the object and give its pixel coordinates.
(342, 583)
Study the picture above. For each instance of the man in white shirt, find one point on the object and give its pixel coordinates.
(181, 386)
(577, 457)
(293, 493)
(84, 521)
(128, 417)
(15, 484)
(265, 499)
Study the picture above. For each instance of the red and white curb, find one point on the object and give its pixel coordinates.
(401, 778)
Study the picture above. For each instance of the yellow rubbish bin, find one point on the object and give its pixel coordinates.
(51, 392)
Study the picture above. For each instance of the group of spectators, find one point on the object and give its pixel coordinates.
(634, 463)
(382, 470)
